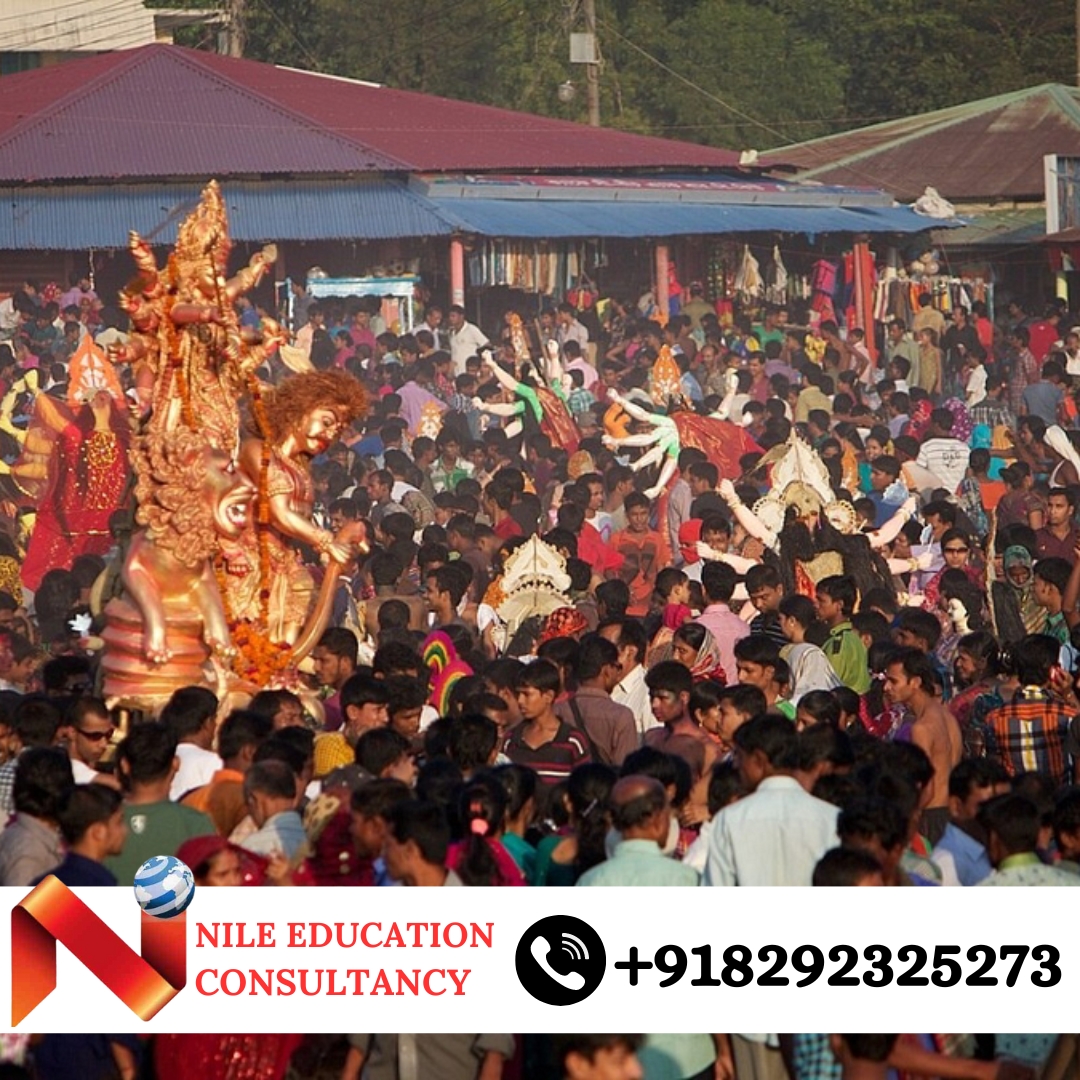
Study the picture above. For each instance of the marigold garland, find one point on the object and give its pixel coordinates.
(258, 659)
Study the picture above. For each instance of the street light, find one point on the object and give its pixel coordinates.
(566, 92)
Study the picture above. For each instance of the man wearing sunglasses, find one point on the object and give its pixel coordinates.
(88, 729)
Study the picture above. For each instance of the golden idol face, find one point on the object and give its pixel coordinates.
(318, 430)
(230, 492)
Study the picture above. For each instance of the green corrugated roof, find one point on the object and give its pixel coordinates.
(996, 228)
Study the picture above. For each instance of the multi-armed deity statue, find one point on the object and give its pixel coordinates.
(215, 592)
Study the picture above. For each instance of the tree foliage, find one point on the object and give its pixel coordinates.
(735, 73)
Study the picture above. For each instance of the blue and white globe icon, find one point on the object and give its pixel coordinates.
(164, 886)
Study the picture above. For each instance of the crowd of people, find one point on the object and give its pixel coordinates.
(833, 647)
(540, 1057)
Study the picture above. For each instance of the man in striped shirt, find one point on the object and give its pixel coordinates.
(1030, 734)
(542, 742)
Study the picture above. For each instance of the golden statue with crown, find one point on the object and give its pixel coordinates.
(214, 592)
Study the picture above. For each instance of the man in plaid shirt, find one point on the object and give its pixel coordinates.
(1031, 733)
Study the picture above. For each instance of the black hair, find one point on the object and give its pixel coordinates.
(341, 642)
(43, 780)
(1066, 816)
(282, 749)
(670, 769)
(845, 866)
(272, 777)
(471, 740)
(822, 706)
(378, 797)
(922, 624)
(379, 748)
(762, 576)
(35, 721)
(187, 711)
(916, 665)
(594, 654)
(748, 700)
(503, 673)
(824, 744)
(424, 824)
(1014, 819)
(719, 581)
(971, 773)
(147, 752)
(242, 727)
(725, 786)
(87, 805)
(268, 703)
(482, 812)
(541, 675)
(360, 690)
(1034, 658)
(872, 818)
(876, 1048)
(588, 1046)
(588, 789)
(518, 784)
(1055, 572)
(393, 658)
(631, 634)
(773, 736)
(757, 649)
(800, 608)
(670, 676)
(842, 590)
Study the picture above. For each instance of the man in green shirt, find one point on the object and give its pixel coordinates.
(147, 762)
(835, 602)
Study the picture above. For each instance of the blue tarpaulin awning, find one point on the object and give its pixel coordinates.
(71, 218)
(587, 218)
(77, 217)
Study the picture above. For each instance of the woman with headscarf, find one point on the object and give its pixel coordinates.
(1066, 470)
(564, 622)
(1016, 611)
(694, 646)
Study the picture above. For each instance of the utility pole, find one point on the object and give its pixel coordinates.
(235, 35)
(592, 70)
(1078, 42)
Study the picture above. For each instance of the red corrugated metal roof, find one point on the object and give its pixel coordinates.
(984, 150)
(166, 111)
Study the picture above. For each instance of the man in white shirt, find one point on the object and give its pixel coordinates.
(432, 323)
(89, 730)
(776, 835)
(628, 637)
(465, 339)
(191, 716)
(942, 454)
(569, 328)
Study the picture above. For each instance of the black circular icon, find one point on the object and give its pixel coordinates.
(560, 960)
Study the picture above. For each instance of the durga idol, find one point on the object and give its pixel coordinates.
(266, 582)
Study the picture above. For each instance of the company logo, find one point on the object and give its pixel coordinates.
(52, 913)
(560, 960)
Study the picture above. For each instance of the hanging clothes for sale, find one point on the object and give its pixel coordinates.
(748, 283)
(824, 279)
(776, 288)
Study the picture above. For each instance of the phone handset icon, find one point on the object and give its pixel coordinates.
(539, 949)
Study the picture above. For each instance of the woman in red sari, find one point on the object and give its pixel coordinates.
(74, 467)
